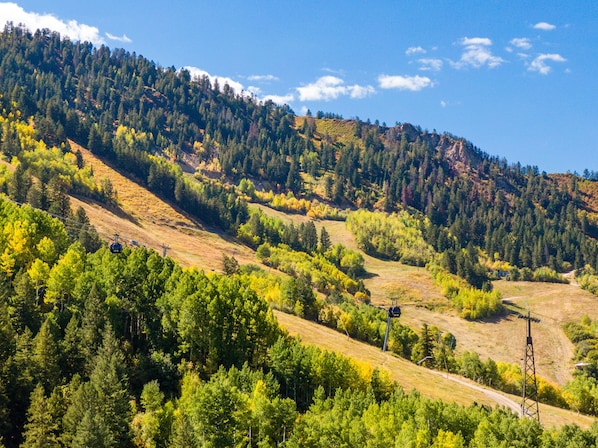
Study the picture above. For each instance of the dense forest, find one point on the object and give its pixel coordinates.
(130, 349)
(114, 350)
(136, 114)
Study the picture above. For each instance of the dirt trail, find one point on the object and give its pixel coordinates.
(431, 384)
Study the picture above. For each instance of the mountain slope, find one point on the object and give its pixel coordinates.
(429, 383)
(150, 221)
(153, 222)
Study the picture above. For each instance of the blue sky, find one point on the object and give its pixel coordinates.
(519, 79)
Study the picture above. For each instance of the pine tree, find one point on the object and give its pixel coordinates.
(100, 414)
(73, 359)
(93, 432)
(110, 385)
(92, 325)
(325, 242)
(41, 430)
(46, 356)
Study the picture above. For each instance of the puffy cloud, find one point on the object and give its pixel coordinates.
(329, 88)
(413, 83)
(11, 12)
(476, 41)
(544, 26)
(477, 54)
(198, 73)
(279, 99)
(430, 64)
(521, 42)
(357, 91)
(539, 63)
(414, 50)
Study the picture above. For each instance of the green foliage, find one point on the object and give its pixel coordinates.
(542, 274)
(355, 419)
(587, 279)
(397, 236)
(220, 321)
(368, 324)
(75, 91)
(323, 274)
(43, 426)
(28, 235)
(138, 318)
(472, 303)
(50, 165)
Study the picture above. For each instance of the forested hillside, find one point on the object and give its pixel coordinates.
(104, 349)
(130, 349)
(138, 115)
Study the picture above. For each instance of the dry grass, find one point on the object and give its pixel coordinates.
(410, 376)
(502, 338)
(144, 217)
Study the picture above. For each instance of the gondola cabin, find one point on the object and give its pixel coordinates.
(394, 311)
(116, 247)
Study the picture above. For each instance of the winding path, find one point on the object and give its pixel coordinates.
(432, 384)
(499, 398)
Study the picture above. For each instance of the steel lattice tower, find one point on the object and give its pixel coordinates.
(529, 404)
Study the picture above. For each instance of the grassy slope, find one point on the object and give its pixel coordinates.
(146, 218)
(152, 222)
(502, 339)
(410, 376)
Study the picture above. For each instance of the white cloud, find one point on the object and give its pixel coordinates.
(544, 26)
(539, 63)
(254, 90)
(11, 12)
(430, 64)
(124, 38)
(477, 54)
(198, 73)
(357, 91)
(413, 83)
(443, 103)
(476, 41)
(279, 99)
(521, 42)
(414, 50)
(330, 88)
(262, 78)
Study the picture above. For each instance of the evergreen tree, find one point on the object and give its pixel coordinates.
(99, 413)
(41, 430)
(73, 353)
(20, 184)
(423, 349)
(46, 356)
(24, 310)
(294, 182)
(325, 242)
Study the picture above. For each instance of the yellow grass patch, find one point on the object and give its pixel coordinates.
(144, 217)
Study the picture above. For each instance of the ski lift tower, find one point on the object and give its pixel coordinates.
(529, 403)
(393, 312)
